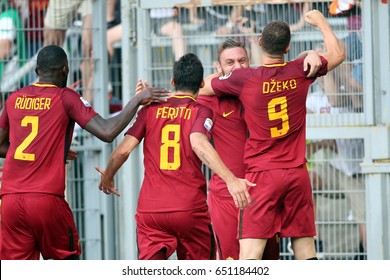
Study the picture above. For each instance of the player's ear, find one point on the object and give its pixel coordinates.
(172, 82)
(37, 70)
(218, 66)
(65, 69)
(287, 49)
(201, 84)
(260, 41)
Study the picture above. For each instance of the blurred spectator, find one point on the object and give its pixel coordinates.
(218, 19)
(167, 22)
(60, 16)
(35, 25)
(13, 50)
(248, 21)
(115, 104)
(292, 13)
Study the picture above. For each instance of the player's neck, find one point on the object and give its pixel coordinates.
(186, 93)
(272, 59)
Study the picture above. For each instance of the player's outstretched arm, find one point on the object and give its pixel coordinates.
(207, 89)
(209, 156)
(335, 53)
(107, 129)
(116, 160)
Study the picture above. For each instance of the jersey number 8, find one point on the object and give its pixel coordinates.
(170, 137)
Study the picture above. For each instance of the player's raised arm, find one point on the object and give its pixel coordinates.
(335, 53)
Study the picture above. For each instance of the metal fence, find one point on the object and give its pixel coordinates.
(347, 123)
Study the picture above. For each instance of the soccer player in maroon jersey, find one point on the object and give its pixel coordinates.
(36, 128)
(229, 135)
(274, 97)
(172, 213)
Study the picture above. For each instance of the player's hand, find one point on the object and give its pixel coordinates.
(152, 94)
(315, 18)
(238, 189)
(312, 63)
(141, 85)
(106, 185)
(72, 155)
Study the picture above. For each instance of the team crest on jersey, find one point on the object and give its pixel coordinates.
(86, 103)
(208, 124)
(225, 76)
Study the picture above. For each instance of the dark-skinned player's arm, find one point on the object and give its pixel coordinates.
(108, 129)
(4, 142)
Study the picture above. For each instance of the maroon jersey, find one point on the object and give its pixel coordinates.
(40, 119)
(229, 135)
(173, 179)
(274, 98)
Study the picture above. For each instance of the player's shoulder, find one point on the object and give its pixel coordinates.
(207, 100)
(203, 109)
(20, 91)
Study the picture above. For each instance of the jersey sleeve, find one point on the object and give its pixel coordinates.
(323, 70)
(76, 107)
(138, 129)
(324, 67)
(203, 123)
(231, 83)
(209, 101)
(4, 122)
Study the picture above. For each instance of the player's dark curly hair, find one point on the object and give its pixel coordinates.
(50, 58)
(188, 73)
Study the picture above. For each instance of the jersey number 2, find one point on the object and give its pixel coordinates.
(170, 144)
(280, 114)
(19, 153)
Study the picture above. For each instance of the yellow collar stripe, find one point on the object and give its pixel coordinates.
(273, 65)
(44, 85)
(183, 96)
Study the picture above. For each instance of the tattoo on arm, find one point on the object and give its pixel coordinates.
(203, 155)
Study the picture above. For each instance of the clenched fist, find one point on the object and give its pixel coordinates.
(315, 18)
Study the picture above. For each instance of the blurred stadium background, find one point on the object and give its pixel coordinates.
(151, 34)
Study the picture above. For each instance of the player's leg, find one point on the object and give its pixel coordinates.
(252, 249)
(303, 248)
(154, 239)
(261, 220)
(272, 249)
(18, 242)
(54, 227)
(223, 214)
(298, 212)
(195, 235)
